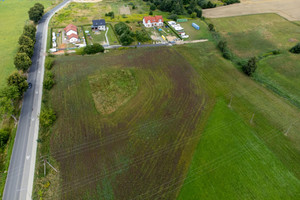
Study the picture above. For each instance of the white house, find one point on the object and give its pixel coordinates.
(99, 24)
(70, 29)
(73, 38)
(150, 21)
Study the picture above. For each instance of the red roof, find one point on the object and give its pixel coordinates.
(72, 35)
(153, 19)
(70, 27)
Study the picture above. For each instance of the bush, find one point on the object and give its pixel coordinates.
(150, 13)
(48, 83)
(173, 17)
(142, 36)
(22, 61)
(121, 28)
(295, 49)
(211, 27)
(194, 15)
(250, 67)
(49, 63)
(36, 12)
(47, 117)
(126, 39)
(4, 137)
(94, 48)
(228, 2)
(152, 7)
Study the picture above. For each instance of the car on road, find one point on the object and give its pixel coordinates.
(29, 85)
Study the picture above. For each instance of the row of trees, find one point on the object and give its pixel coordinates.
(12, 93)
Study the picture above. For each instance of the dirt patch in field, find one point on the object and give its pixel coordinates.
(124, 10)
(288, 9)
(134, 152)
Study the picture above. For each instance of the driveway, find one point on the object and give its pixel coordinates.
(289, 9)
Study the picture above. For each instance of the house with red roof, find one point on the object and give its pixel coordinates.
(151, 21)
(70, 29)
(73, 38)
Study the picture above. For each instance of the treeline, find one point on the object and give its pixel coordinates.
(12, 93)
(127, 36)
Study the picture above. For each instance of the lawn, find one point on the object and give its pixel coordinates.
(14, 16)
(249, 170)
(194, 34)
(98, 37)
(145, 147)
(254, 35)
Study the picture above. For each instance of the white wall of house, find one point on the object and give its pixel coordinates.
(101, 28)
(149, 24)
(71, 32)
(73, 39)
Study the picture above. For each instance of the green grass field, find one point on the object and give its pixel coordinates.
(14, 16)
(194, 34)
(253, 35)
(145, 149)
(236, 166)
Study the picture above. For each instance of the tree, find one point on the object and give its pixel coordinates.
(7, 108)
(48, 83)
(25, 40)
(36, 12)
(173, 17)
(199, 12)
(152, 7)
(142, 36)
(295, 49)
(47, 117)
(194, 15)
(22, 61)
(19, 81)
(211, 27)
(94, 48)
(126, 39)
(26, 49)
(150, 13)
(4, 136)
(121, 28)
(250, 67)
(11, 92)
(29, 31)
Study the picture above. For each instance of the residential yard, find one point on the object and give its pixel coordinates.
(95, 37)
(195, 34)
(151, 140)
(61, 38)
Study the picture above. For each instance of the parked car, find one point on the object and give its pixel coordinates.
(29, 85)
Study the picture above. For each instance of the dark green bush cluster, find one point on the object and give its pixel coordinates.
(4, 137)
(206, 4)
(295, 49)
(125, 33)
(222, 45)
(36, 12)
(142, 36)
(47, 117)
(250, 67)
(110, 14)
(49, 62)
(49, 80)
(228, 2)
(93, 49)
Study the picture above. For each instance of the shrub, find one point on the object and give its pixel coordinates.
(48, 83)
(211, 27)
(250, 67)
(150, 13)
(94, 48)
(126, 39)
(194, 15)
(142, 36)
(22, 61)
(295, 49)
(49, 63)
(152, 7)
(47, 117)
(173, 17)
(4, 136)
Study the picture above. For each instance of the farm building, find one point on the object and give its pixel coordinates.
(99, 24)
(70, 29)
(150, 21)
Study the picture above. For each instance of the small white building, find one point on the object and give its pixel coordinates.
(73, 38)
(150, 21)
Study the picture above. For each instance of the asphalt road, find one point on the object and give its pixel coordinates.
(19, 182)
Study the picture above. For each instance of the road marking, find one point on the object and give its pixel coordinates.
(36, 92)
(39, 71)
(27, 157)
(32, 119)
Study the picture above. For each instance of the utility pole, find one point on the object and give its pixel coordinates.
(51, 166)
